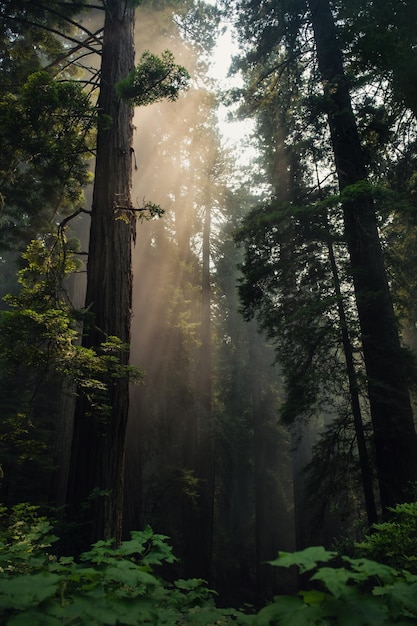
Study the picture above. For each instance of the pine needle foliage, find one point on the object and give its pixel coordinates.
(154, 78)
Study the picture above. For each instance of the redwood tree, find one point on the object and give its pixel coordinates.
(395, 439)
(95, 486)
(276, 33)
(97, 457)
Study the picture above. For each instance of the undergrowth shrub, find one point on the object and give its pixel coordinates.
(119, 586)
(343, 591)
(394, 542)
(106, 586)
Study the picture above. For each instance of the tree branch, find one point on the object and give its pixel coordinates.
(67, 219)
(68, 20)
(49, 29)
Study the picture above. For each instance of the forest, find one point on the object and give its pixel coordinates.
(208, 312)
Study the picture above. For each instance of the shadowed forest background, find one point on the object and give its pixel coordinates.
(229, 358)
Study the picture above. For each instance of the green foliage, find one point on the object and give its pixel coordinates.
(40, 332)
(200, 24)
(288, 285)
(344, 591)
(383, 41)
(148, 211)
(35, 331)
(32, 34)
(26, 534)
(107, 586)
(154, 79)
(394, 542)
(151, 210)
(47, 132)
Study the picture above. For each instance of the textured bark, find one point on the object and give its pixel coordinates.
(394, 434)
(97, 459)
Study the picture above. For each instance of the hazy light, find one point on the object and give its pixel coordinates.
(235, 133)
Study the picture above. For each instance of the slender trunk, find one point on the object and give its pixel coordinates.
(205, 362)
(206, 428)
(364, 461)
(263, 585)
(199, 518)
(98, 449)
(271, 474)
(366, 473)
(394, 434)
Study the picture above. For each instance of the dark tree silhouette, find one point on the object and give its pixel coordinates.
(395, 439)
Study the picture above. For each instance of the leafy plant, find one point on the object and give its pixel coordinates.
(47, 132)
(107, 586)
(394, 542)
(41, 330)
(110, 586)
(41, 358)
(343, 591)
(24, 536)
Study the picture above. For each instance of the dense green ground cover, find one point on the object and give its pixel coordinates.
(123, 586)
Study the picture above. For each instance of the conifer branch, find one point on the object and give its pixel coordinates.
(83, 44)
(64, 18)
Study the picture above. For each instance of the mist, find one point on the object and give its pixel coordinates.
(202, 470)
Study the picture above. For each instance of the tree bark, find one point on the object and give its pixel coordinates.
(364, 461)
(395, 439)
(98, 448)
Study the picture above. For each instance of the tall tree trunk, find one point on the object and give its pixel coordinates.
(267, 527)
(98, 449)
(205, 428)
(205, 361)
(364, 462)
(394, 434)
(199, 518)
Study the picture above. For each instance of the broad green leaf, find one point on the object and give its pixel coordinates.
(151, 547)
(336, 579)
(400, 596)
(24, 591)
(306, 559)
(313, 597)
(356, 611)
(128, 573)
(288, 611)
(112, 611)
(87, 574)
(372, 568)
(34, 618)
